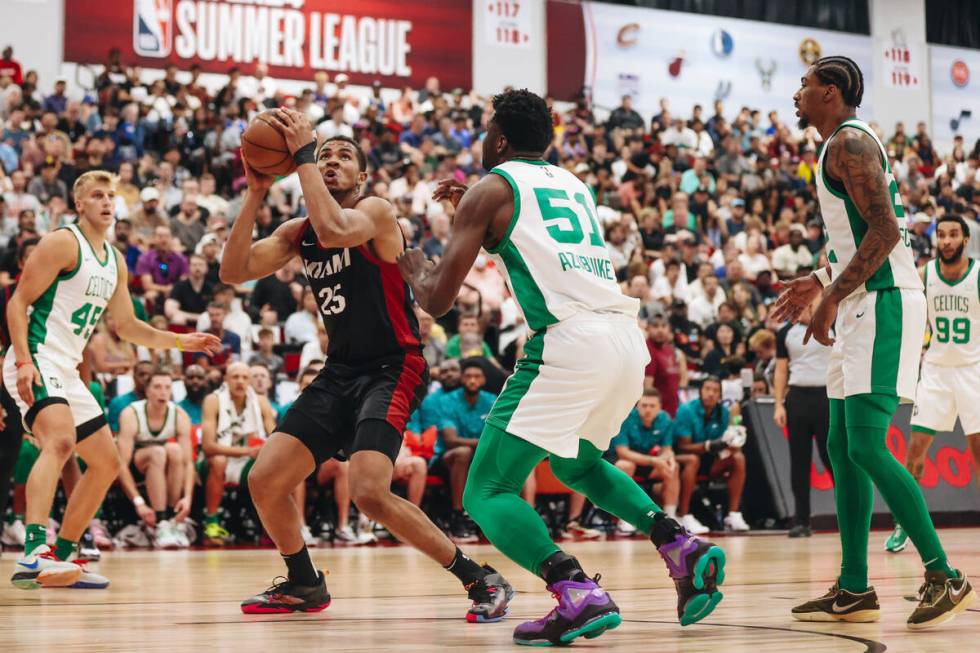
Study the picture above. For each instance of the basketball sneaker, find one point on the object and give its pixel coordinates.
(285, 596)
(692, 525)
(308, 538)
(490, 596)
(99, 533)
(840, 605)
(88, 580)
(87, 550)
(625, 528)
(735, 522)
(942, 599)
(166, 536)
(14, 533)
(697, 567)
(43, 569)
(575, 531)
(584, 610)
(897, 541)
(216, 534)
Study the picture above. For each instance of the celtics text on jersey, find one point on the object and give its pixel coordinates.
(61, 321)
(846, 228)
(553, 255)
(954, 316)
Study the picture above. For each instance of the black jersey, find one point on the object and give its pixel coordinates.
(365, 305)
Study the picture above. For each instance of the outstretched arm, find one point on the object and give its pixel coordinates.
(855, 159)
(436, 286)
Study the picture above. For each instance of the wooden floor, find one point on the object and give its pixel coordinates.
(392, 598)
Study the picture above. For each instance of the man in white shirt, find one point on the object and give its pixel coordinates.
(301, 325)
(703, 309)
(787, 259)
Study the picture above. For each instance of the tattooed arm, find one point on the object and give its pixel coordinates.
(855, 158)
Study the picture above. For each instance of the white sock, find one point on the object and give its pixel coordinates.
(671, 511)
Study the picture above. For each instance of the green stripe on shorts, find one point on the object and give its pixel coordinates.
(888, 341)
(517, 385)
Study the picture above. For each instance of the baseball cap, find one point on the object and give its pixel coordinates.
(582, 167)
(921, 217)
(738, 201)
(149, 194)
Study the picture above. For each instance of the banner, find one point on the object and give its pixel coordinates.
(955, 96)
(398, 43)
(690, 59)
(948, 482)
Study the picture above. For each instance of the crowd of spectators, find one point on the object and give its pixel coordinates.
(705, 212)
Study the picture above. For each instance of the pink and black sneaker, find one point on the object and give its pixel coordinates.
(697, 567)
(584, 610)
(490, 596)
(285, 596)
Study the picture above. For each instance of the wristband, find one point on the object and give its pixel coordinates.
(20, 364)
(306, 154)
(138, 501)
(823, 276)
(715, 445)
(180, 345)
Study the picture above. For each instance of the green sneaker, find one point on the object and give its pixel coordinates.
(215, 533)
(897, 541)
(942, 598)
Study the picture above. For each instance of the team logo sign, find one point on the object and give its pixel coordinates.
(766, 70)
(153, 27)
(722, 43)
(960, 73)
(675, 65)
(628, 35)
(810, 51)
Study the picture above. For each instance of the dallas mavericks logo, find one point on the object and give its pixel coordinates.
(722, 43)
(153, 32)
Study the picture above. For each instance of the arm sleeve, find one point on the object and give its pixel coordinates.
(781, 350)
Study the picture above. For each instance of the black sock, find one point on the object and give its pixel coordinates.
(170, 513)
(301, 568)
(161, 515)
(561, 566)
(465, 568)
(664, 529)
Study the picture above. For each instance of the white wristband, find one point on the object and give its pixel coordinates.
(823, 276)
(138, 501)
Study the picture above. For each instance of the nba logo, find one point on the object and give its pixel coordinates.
(153, 31)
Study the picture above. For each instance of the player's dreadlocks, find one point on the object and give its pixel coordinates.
(845, 75)
(524, 119)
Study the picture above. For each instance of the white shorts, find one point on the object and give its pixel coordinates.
(877, 344)
(235, 469)
(59, 384)
(578, 379)
(945, 393)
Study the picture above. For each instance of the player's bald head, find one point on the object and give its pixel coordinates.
(236, 368)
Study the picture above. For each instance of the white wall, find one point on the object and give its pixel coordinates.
(34, 29)
(498, 65)
(950, 100)
(890, 21)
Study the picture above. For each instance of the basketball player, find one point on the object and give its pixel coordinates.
(235, 422)
(68, 282)
(581, 374)
(951, 366)
(872, 295)
(155, 440)
(374, 377)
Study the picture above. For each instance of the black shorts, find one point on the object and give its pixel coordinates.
(364, 408)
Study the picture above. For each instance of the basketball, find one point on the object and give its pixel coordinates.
(264, 147)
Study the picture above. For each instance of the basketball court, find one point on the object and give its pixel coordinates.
(393, 598)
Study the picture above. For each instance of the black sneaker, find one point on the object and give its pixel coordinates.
(87, 551)
(490, 596)
(460, 532)
(697, 568)
(840, 605)
(285, 596)
(942, 598)
(800, 530)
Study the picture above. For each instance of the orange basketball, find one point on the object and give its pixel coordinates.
(264, 147)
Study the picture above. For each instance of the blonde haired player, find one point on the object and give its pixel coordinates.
(69, 281)
(951, 366)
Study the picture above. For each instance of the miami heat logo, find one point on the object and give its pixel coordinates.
(153, 27)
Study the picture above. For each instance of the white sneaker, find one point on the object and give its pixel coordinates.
(575, 531)
(308, 538)
(14, 534)
(735, 522)
(187, 530)
(166, 536)
(693, 526)
(100, 534)
(88, 580)
(43, 569)
(346, 535)
(625, 528)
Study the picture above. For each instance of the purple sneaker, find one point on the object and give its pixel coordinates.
(584, 609)
(698, 568)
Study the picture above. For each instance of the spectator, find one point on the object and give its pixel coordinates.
(10, 67)
(468, 325)
(195, 386)
(667, 369)
(161, 267)
(315, 351)
(123, 232)
(704, 307)
(301, 325)
(141, 377)
(47, 185)
(231, 342)
(236, 320)
(463, 413)
(264, 355)
(149, 216)
(190, 297)
(644, 448)
(439, 223)
(235, 423)
(727, 346)
(190, 223)
(699, 429)
(789, 258)
(18, 198)
(625, 116)
(433, 338)
(278, 292)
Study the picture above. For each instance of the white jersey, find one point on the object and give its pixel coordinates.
(954, 316)
(846, 228)
(553, 255)
(146, 436)
(61, 321)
